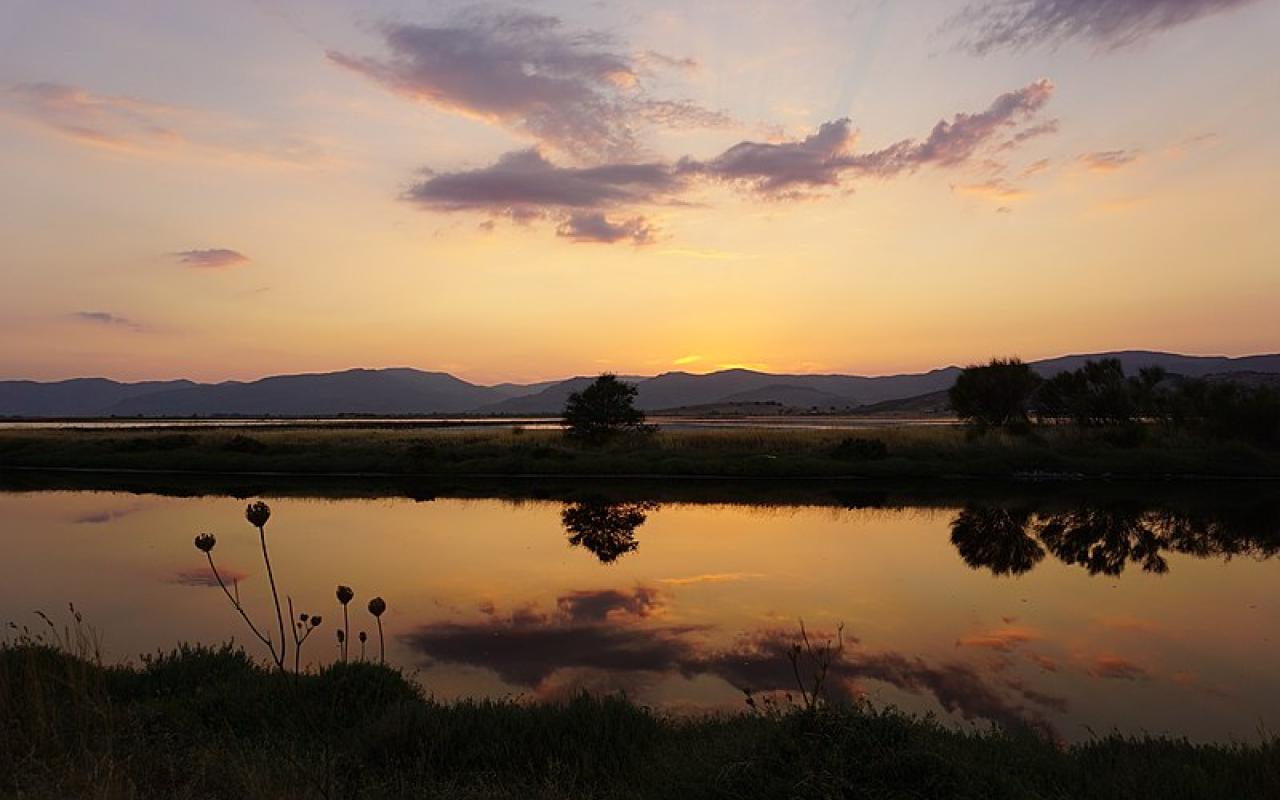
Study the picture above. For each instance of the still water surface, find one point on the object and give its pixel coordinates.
(1073, 617)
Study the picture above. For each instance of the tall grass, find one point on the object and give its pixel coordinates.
(901, 452)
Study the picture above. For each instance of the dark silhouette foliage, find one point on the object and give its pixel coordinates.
(602, 410)
(997, 394)
(606, 529)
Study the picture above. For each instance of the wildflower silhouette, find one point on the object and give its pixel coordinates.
(205, 543)
(257, 514)
(377, 606)
(301, 625)
(345, 596)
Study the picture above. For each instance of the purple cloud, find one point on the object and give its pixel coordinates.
(826, 157)
(212, 258)
(1108, 160)
(596, 227)
(1111, 24)
(576, 91)
(526, 186)
(107, 318)
(606, 632)
(527, 180)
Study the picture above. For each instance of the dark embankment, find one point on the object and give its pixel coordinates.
(210, 723)
(898, 453)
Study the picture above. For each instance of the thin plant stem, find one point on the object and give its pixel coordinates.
(262, 535)
(346, 632)
(235, 603)
(382, 644)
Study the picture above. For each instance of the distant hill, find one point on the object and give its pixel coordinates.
(78, 397)
(356, 391)
(404, 391)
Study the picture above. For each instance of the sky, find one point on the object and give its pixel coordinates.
(527, 191)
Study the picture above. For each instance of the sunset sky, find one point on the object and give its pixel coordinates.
(540, 189)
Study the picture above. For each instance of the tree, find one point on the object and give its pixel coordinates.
(603, 409)
(606, 529)
(996, 394)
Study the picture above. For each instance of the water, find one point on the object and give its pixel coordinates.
(1090, 611)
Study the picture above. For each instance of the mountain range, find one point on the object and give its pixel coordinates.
(403, 391)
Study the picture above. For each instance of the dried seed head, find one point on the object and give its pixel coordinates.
(364, 637)
(315, 621)
(342, 637)
(377, 606)
(345, 594)
(205, 542)
(257, 513)
(303, 617)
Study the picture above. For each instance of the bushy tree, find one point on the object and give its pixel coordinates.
(996, 394)
(603, 409)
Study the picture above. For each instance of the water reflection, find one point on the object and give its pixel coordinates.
(686, 604)
(1107, 539)
(617, 640)
(606, 529)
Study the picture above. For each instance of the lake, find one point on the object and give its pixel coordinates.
(1074, 609)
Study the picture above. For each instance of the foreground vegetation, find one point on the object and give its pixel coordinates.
(900, 452)
(209, 722)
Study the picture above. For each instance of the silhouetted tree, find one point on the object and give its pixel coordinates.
(995, 394)
(603, 409)
(1095, 394)
(996, 538)
(606, 529)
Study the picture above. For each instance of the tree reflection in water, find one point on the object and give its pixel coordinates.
(1105, 540)
(606, 529)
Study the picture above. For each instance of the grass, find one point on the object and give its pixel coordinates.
(204, 722)
(898, 453)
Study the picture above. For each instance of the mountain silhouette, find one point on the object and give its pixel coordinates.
(404, 391)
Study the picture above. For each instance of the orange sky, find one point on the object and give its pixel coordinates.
(196, 193)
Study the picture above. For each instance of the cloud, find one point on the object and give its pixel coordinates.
(816, 160)
(104, 516)
(1035, 168)
(594, 226)
(576, 91)
(596, 606)
(107, 318)
(211, 258)
(1117, 668)
(144, 128)
(1110, 24)
(526, 186)
(995, 189)
(609, 633)
(1004, 640)
(825, 157)
(525, 182)
(1103, 161)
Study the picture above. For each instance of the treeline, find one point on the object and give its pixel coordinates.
(1006, 393)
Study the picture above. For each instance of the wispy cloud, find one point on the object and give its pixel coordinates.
(1110, 24)
(1103, 161)
(108, 319)
(143, 128)
(211, 258)
(1118, 668)
(710, 577)
(996, 189)
(577, 91)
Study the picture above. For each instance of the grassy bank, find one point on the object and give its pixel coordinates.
(906, 452)
(210, 723)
